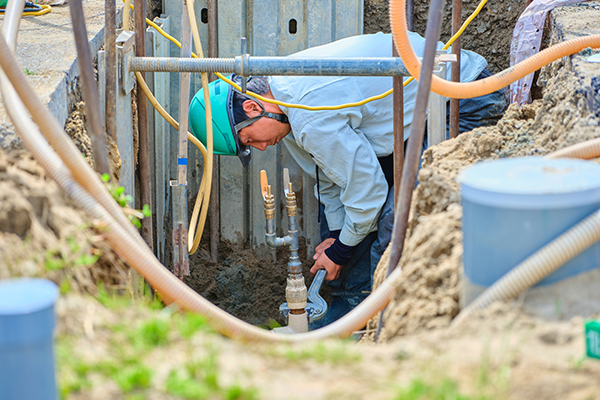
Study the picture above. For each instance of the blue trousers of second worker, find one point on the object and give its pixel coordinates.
(356, 278)
(354, 283)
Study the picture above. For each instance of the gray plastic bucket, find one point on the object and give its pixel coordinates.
(513, 207)
(26, 329)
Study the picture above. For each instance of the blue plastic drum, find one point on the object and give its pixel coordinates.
(26, 329)
(513, 207)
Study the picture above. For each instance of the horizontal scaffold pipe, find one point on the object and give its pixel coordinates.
(273, 66)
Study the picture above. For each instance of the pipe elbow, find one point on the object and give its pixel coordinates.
(274, 241)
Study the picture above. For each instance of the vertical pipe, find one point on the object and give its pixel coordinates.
(415, 142)
(417, 131)
(455, 74)
(110, 26)
(410, 15)
(181, 265)
(398, 101)
(215, 225)
(142, 107)
(184, 96)
(89, 88)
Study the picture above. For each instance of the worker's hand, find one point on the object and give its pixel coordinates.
(323, 262)
(324, 245)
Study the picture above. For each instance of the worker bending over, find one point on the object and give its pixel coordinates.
(348, 151)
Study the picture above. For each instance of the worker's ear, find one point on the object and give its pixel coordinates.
(251, 108)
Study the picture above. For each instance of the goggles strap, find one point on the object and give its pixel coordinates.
(276, 116)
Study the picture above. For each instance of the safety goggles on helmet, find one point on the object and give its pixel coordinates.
(226, 139)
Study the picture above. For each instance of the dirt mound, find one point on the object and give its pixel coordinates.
(489, 34)
(249, 287)
(75, 126)
(43, 234)
(428, 296)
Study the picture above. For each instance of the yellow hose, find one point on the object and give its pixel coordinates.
(128, 6)
(126, 241)
(203, 200)
(165, 114)
(45, 10)
(481, 87)
(201, 192)
(323, 108)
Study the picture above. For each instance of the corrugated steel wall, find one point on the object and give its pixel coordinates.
(268, 26)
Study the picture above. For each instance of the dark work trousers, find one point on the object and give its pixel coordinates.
(356, 278)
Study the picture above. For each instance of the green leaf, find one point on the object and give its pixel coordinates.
(146, 211)
(86, 260)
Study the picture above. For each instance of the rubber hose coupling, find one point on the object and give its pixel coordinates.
(291, 205)
(269, 205)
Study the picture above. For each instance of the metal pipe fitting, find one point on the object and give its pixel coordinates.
(275, 66)
(296, 294)
(272, 239)
(295, 291)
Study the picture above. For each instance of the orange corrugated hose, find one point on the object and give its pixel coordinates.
(481, 87)
(584, 150)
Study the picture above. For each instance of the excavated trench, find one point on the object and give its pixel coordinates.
(252, 288)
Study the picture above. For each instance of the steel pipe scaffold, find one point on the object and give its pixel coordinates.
(272, 66)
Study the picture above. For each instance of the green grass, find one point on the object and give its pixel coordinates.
(199, 380)
(446, 389)
(321, 352)
(72, 372)
(111, 299)
(135, 376)
(132, 343)
(189, 323)
(151, 333)
(180, 384)
(69, 255)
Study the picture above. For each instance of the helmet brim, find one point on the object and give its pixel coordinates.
(243, 151)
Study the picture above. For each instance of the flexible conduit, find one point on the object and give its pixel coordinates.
(481, 87)
(538, 266)
(585, 150)
(130, 246)
(79, 181)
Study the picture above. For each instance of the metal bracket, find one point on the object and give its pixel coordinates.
(317, 306)
(443, 57)
(125, 52)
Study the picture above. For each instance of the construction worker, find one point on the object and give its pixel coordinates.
(347, 151)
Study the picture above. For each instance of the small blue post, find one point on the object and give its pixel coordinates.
(26, 344)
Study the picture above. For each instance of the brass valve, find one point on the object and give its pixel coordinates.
(290, 196)
(267, 196)
(290, 204)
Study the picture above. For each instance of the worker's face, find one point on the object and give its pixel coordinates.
(264, 132)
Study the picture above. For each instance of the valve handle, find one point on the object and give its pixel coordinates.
(286, 181)
(264, 184)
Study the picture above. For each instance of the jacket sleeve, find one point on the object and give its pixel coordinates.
(352, 185)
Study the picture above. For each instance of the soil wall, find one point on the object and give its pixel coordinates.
(489, 34)
(428, 296)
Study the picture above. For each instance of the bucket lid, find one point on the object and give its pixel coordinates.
(25, 296)
(532, 183)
